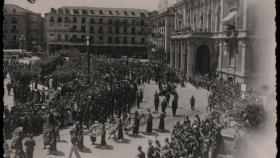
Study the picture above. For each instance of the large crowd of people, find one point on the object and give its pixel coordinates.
(110, 93)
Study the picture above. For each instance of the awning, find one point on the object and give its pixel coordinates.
(230, 19)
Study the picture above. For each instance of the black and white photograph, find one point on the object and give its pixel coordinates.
(139, 79)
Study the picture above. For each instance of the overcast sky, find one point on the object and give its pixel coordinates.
(43, 6)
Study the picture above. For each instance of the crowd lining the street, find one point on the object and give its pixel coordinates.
(113, 91)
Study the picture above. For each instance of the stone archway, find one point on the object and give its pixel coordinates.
(203, 59)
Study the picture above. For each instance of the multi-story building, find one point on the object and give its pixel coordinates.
(110, 31)
(19, 22)
(162, 24)
(213, 36)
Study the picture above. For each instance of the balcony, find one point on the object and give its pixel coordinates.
(189, 34)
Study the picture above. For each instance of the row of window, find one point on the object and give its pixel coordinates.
(13, 20)
(117, 30)
(93, 12)
(92, 21)
(100, 39)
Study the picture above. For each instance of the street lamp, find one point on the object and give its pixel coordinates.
(88, 60)
(22, 38)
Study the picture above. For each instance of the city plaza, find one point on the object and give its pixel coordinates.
(103, 70)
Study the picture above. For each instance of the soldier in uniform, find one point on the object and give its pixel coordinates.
(163, 105)
(156, 101)
(103, 136)
(29, 144)
(192, 101)
(174, 104)
(161, 121)
(149, 128)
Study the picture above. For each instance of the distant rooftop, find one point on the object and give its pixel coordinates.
(131, 12)
(14, 9)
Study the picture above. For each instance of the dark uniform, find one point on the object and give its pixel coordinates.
(29, 144)
(174, 105)
(156, 101)
(192, 103)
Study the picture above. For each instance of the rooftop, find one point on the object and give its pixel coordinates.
(100, 11)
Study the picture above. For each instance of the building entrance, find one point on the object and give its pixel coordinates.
(203, 60)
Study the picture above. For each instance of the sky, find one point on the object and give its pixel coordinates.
(43, 6)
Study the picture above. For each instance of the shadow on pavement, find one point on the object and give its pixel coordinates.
(150, 134)
(107, 147)
(135, 136)
(56, 153)
(162, 131)
(124, 141)
(85, 150)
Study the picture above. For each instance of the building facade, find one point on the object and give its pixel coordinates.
(114, 32)
(213, 36)
(162, 25)
(19, 22)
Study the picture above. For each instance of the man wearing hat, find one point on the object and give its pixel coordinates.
(29, 144)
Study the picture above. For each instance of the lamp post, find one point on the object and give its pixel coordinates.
(88, 60)
(22, 38)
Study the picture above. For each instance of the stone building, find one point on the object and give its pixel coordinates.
(213, 36)
(20, 22)
(162, 24)
(114, 32)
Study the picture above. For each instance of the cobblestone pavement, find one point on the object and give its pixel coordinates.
(128, 148)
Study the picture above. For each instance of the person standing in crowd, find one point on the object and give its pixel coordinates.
(136, 123)
(157, 148)
(141, 93)
(149, 128)
(192, 101)
(29, 144)
(174, 104)
(163, 105)
(80, 136)
(156, 101)
(138, 100)
(9, 88)
(161, 122)
(16, 146)
(140, 153)
(120, 130)
(74, 145)
(151, 150)
(103, 135)
(167, 97)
